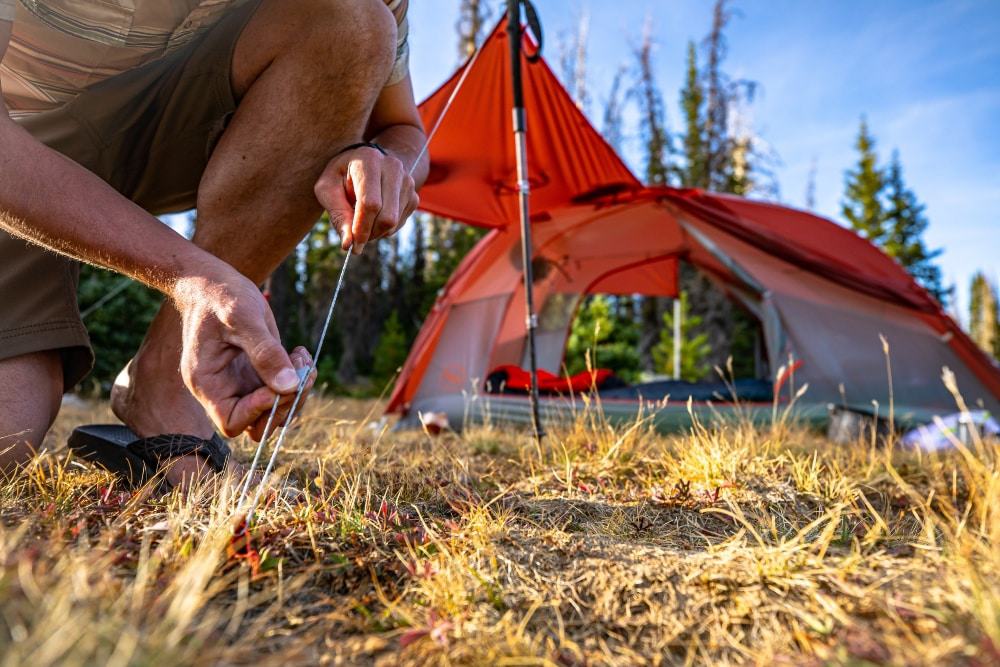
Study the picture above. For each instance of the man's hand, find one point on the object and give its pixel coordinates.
(368, 195)
(232, 359)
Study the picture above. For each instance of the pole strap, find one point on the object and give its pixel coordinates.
(531, 15)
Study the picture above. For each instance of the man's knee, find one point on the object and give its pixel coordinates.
(359, 32)
(334, 36)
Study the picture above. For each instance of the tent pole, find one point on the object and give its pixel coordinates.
(523, 193)
(678, 314)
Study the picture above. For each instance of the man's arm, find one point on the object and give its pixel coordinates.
(50, 200)
(383, 186)
(396, 125)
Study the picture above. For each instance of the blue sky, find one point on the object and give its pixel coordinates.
(926, 75)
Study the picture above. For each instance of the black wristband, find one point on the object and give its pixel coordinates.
(362, 144)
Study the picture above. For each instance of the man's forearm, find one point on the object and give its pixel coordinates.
(50, 200)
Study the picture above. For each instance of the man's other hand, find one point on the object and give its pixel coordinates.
(368, 195)
(232, 359)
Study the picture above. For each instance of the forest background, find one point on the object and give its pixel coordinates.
(693, 111)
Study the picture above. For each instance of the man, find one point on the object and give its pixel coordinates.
(255, 111)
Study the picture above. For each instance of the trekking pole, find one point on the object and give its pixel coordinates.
(524, 187)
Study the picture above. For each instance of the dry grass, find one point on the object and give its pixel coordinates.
(605, 546)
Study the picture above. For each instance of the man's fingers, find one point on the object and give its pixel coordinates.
(268, 358)
(412, 203)
(261, 401)
(331, 193)
(248, 412)
(303, 362)
(388, 218)
(367, 182)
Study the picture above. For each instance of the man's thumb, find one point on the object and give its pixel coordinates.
(272, 363)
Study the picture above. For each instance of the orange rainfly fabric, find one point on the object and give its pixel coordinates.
(473, 169)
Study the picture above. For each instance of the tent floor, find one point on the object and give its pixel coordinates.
(673, 417)
(464, 411)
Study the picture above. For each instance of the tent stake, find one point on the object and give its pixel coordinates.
(523, 193)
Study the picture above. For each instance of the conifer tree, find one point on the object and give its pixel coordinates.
(709, 99)
(652, 114)
(610, 341)
(694, 346)
(613, 117)
(984, 314)
(659, 168)
(695, 171)
(880, 207)
(472, 17)
(905, 224)
(810, 201)
(862, 204)
(390, 352)
(573, 62)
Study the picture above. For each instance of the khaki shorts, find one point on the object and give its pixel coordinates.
(149, 133)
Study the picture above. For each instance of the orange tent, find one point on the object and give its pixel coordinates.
(823, 295)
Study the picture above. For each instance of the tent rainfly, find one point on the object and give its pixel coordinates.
(824, 297)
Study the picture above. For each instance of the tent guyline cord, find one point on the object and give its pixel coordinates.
(304, 372)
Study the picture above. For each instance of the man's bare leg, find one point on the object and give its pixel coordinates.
(307, 75)
(31, 389)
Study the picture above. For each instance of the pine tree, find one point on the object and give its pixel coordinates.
(718, 102)
(714, 160)
(609, 341)
(811, 186)
(653, 122)
(880, 207)
(905, 224)
(613, 112)
(390, 352)
(659, 169)
(573, 62)
(694, 346)
(361, 311)
(862, 204)
(472, 18)
(736, 160)
(984, 318)
(695, 171)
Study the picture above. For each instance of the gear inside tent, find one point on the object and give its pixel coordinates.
(822, 297)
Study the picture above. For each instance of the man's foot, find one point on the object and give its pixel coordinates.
(152, 402)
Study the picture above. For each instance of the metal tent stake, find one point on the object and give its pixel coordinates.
(523, 194)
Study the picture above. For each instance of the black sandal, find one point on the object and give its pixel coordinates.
(136, 460)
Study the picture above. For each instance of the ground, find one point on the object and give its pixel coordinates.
(603, 546)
